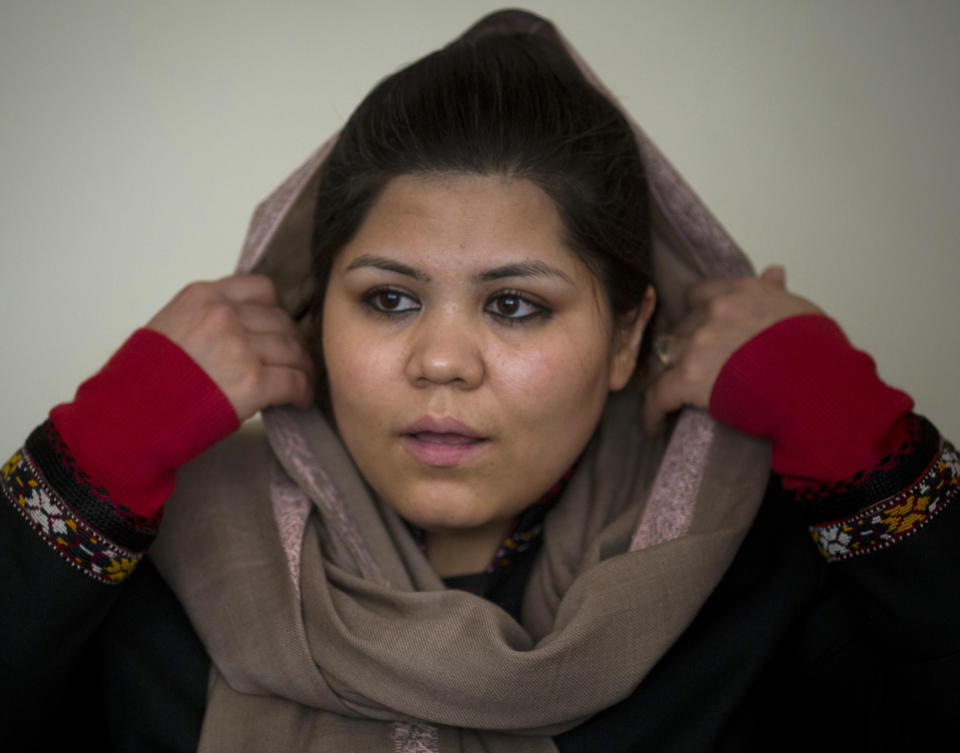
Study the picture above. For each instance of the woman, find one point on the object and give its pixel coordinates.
(486, 553)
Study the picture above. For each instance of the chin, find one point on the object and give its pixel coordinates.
(443, 509)
(448, 519)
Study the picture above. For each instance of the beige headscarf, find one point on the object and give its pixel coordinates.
(327, 628)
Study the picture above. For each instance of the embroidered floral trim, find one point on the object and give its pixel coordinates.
(76, 541)
(884, 524)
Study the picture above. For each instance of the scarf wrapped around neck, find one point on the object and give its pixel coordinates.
(327, 627)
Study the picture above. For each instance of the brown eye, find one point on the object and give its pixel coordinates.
(508, 305)
(388, 301)
(513, 308)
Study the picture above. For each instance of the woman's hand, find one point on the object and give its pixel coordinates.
(235, 331)
(724, 314)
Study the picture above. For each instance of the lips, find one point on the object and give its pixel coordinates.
(443, 441)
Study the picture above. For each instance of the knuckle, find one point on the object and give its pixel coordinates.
(699, 339)
(217, 316)
(253, 381)
(722, 307)
(196, 292)
(236, 350)
(265, 287)
(755, 288)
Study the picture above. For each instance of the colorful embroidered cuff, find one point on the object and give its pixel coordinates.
(92, 532)
(887, 477)
(889, 521)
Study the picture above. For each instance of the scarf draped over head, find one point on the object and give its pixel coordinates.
(327, 627)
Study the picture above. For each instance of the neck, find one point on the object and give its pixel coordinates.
(458, 552)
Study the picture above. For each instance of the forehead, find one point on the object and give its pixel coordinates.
(455, 222)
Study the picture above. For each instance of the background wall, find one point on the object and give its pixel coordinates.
(136, 138)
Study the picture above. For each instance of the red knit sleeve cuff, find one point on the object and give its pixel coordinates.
(801, 384)
(148, 411)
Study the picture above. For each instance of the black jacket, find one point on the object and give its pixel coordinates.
(792, 651)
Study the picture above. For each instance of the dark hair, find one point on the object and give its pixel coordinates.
(498, 104)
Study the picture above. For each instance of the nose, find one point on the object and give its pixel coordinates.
(445, 350)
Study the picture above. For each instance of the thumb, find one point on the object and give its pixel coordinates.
(776, 274)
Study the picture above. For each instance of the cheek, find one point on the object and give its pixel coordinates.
(352, 372)
(358, 376)
(563, 376)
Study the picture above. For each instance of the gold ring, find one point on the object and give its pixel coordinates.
(663, 346)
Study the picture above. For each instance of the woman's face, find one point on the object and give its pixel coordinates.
(469, 352)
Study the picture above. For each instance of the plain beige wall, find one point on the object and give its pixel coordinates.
(136, 138)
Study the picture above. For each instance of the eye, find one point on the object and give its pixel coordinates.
(390, 301)
(514, 308)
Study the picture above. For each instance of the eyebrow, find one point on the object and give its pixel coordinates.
(382, 262)
(518, 269)
(521, 269)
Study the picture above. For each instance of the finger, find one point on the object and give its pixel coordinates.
(694, 320)
(284, 385)
(247, 289)
(776, 274)
(273, 349)
(258, 317)
(664, 396)
(703, 291)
